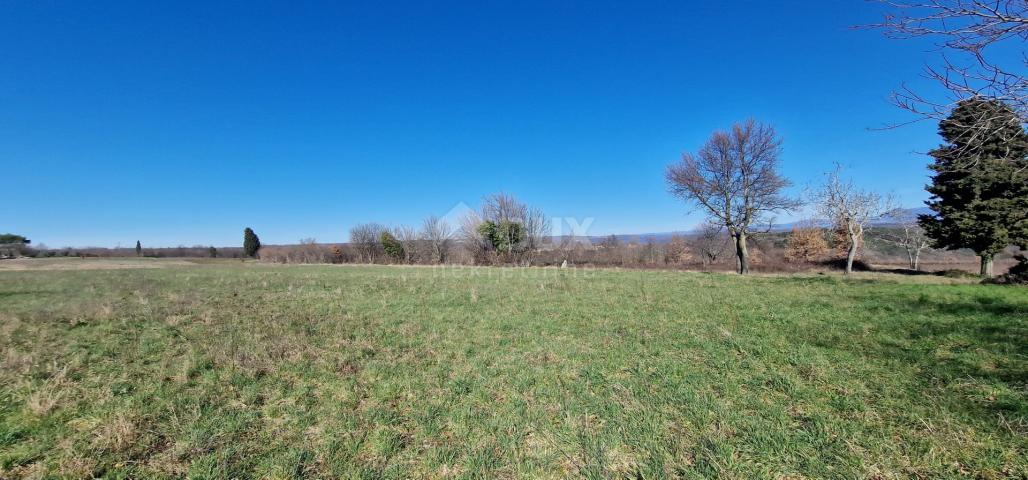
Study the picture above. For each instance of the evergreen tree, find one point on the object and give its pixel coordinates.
(980, 182)
(392, 247)
(139, 249)
(213, 252)
(505, 237)
(251, 244)
(8, 238)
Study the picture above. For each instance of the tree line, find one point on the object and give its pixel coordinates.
(979, 201)
(979, 188)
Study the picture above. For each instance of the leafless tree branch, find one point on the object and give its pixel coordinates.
(967, 33)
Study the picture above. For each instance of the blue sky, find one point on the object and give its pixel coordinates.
(183, 123)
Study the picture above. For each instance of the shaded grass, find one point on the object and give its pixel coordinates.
(220, 371)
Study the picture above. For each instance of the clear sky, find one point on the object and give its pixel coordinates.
(183, 123)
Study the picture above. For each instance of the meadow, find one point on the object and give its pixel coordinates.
(243, 370)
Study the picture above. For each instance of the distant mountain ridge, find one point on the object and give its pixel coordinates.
(664, 237)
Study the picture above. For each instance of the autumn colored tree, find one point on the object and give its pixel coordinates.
(677, 250)
(806, 244)
(337, 254)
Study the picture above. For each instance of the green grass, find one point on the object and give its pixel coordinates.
(241, 370)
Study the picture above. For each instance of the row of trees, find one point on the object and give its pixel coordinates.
(979, 188)
(979, 198)
(432, 243)
(12, 245)
(504, 230)
(811, 243)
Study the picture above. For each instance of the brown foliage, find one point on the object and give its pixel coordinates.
(839, 242)
(806, 244)
(677, 250)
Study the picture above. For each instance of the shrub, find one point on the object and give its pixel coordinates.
(1017, 275)
(957, 273)
(392, 247)
(806, 244)
(336, 254)
(504, 237)
(308, 251)
(677, 250)
(840, 264)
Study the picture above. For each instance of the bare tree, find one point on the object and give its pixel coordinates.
(677, 250)
(610, 241)
(650, 253)
(525, 228)
(613, 250)
(501, 208)
(566, 247)
(710, 242)
(471, 237)
(734, 177)
(309, 252)
(968, 32)
(848, 208)
(911, 237)
(537, 231)
(408, 238)
(439, 236)
(365, 240)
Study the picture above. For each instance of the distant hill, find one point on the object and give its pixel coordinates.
(664, 237)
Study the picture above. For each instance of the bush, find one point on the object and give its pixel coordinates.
(806, 244)
(1017, 275)
(840, 264)
(308, 251)
(957, 273)
(392, 247)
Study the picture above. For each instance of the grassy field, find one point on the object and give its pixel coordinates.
(226, 370)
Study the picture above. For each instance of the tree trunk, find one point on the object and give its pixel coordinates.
(917, 261)
(851, 253)
(986, 265)
(741, 253)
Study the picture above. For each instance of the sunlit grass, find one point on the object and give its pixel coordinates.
(241, 370)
